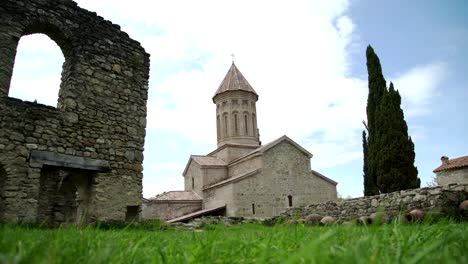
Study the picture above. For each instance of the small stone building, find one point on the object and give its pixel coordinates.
(170, 205)
(82, 160)
(452, 170)
(243, 178)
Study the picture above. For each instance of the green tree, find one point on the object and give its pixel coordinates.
(369, 184)
(377, 89)
(388, 150)
(394, 157)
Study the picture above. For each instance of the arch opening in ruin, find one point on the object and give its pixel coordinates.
(37, 70)
(64, 196)
(57, 34)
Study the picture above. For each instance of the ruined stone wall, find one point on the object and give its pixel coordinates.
(452, 176)
(166, 210)
(100, 116)
(443, 200)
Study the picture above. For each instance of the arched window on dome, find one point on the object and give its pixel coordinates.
(218, 127)
(225, 125)
(254, 125)
(235, 119)
(246, 123)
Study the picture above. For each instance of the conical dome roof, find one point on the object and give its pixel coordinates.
(234, 81)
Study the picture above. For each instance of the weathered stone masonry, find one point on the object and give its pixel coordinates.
(442, 200)
(81, 161)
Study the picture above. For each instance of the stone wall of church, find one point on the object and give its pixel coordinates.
(193, 179)
(219, 196)
(247, 165)
(452, 176)
(166, 210)
(214, 175)
(443, 200)
(100, 117)
(284, 181)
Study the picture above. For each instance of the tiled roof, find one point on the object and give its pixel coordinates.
(451, 164)
(234, 81)
(197, 214)
(208, 161)
(270, 145)
(176, 196)
(204, 161)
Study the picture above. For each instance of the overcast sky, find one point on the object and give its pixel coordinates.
(305, 59)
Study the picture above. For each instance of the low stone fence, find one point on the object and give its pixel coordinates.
(441, 200)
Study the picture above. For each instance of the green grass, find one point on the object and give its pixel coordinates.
(444, 242)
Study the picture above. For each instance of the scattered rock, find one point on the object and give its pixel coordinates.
(415, 215)
(464, 208)
(327, 220)
(313, 219)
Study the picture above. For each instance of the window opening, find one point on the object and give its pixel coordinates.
(254, 125)
(37, 70)
(246, 125)
(253, 209)
(226, 126)
(132, 213)
(236, 128)
(290, 201)
(218, 126)
(193, 183)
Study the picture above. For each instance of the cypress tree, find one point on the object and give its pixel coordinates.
(377, 89)
(394, 157)
(388, 150)
(368, 182)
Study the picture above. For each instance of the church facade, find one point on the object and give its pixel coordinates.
(242, 177)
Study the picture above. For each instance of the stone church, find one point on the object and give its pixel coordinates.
(241, 177)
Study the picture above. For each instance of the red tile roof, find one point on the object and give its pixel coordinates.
(452, 164)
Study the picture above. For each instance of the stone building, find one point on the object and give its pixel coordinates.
(82, 160)
(170, 205)
(452, 170)
(243, 178)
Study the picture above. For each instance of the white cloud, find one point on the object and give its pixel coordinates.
(294, 54)
(419, 86)
(169, 178)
